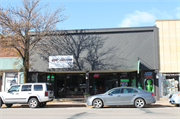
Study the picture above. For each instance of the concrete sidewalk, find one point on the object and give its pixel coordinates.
(83, 104)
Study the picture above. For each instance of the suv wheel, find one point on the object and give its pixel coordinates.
(0, 102)
(42, 104)
(8, 105)
(33, 103)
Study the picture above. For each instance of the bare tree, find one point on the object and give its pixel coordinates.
(19, 23)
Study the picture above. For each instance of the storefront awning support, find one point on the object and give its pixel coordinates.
(139, 61)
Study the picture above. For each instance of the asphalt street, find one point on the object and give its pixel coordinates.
(51, 112)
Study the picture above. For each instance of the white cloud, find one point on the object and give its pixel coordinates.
(137, 18)
(178, 12)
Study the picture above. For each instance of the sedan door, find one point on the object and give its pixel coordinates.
(12, 95)
(127, 96)
(113, 97)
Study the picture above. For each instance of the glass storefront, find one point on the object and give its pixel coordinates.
(74, 84)
(170, 83)
(103, 82)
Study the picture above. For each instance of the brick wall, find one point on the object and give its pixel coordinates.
(10, 52)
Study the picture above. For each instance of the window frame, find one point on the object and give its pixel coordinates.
(134, 91)
(26, 88)
(38, 85)
(14, 90)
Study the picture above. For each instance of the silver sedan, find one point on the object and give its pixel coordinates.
(122, 96)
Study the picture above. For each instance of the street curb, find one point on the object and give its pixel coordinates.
(84, 105)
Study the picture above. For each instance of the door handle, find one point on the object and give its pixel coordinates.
(29, 93)
(134, 95)
(119, 95)
(17, 93)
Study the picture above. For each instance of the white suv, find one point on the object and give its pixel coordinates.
(35, 94)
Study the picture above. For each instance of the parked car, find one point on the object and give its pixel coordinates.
(174, 98)
(34, 94)
(122, 96)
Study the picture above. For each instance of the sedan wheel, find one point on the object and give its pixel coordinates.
(8, 105)
(97, 103)
(139, 103)
(33, 103)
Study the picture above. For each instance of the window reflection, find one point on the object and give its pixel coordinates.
(76, 84)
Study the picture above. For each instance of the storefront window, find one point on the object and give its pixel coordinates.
(32, 78)
(76, 84)
(124, 80)
(10, 79)
(104, 82)
(60, 85)
(133, 80)
(149, 81)
(111, 81)
(170, 83)
(42, 77)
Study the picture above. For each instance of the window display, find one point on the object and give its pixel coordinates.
(149, 85)
(149, 81)
(170, 83)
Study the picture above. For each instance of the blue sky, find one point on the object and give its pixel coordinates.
(92, 14)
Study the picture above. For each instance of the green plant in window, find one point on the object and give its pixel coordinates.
(86, 94)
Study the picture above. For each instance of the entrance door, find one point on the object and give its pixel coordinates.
(51, 81)
(60, 86)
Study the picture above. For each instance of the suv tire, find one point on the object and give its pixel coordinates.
(42, 104)
(33, 103)
(8, 105)
(0, 102)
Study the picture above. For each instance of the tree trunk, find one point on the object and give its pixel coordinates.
(25, 70)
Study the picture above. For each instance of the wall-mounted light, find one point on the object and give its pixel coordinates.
(157, 75)
(87, 74)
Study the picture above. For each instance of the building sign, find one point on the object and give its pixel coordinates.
(171, 74)
(96, 75)
(148, 75)
(124, 80)
(61, 61)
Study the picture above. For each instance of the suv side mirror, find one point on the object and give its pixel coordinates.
(8, 91)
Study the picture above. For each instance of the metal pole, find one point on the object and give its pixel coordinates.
(87, 82)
